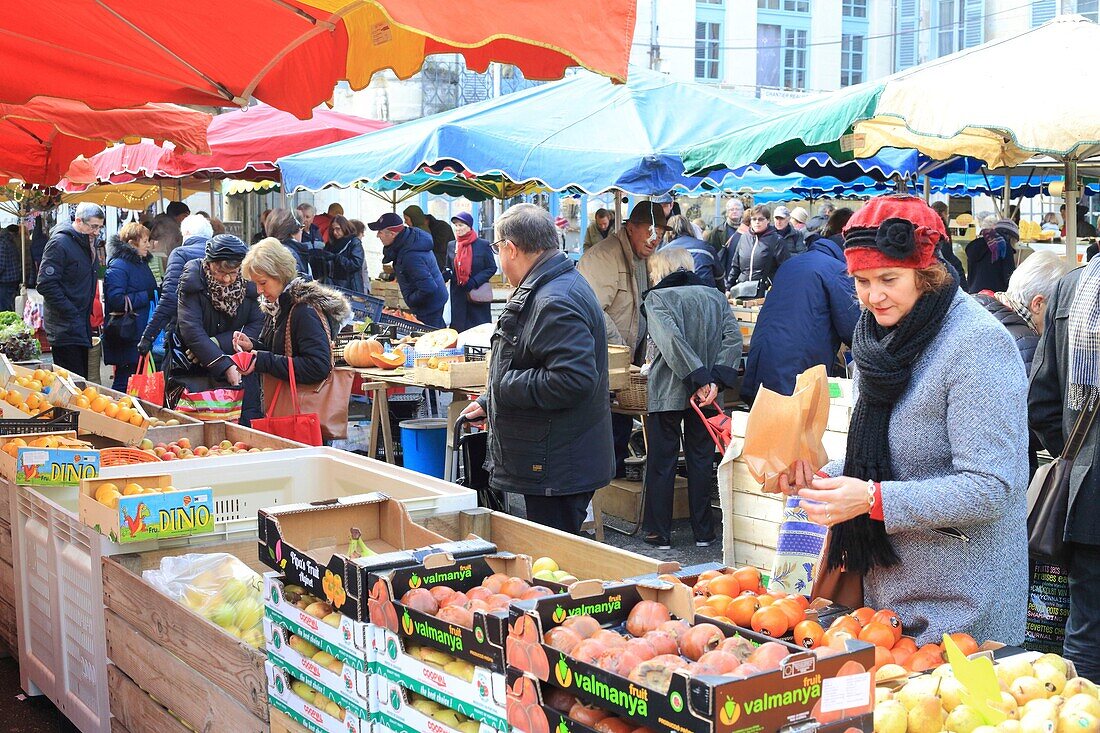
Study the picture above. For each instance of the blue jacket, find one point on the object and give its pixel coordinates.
(300, 252)
(418, 275)
(706, 263)
(10, 264)
(128, 275)
(345, 257)
(809, 311)
(547, 403)
(67, 283)
(164, 317)
(465, 314)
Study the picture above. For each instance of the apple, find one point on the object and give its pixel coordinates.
(184, 442)
(168, 456)
(225, 444)
(241, 446)
(145, 444)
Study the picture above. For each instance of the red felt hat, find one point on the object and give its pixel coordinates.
(893, 231)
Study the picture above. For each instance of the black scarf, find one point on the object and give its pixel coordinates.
(885, 359)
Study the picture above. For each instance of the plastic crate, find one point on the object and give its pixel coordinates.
(47, 421)
(363, 306)
(475, 353)
(404, 326)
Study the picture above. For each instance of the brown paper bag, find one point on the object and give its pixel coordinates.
(782, 430)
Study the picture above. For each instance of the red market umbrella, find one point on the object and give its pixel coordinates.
(288, 53)
(243, 144)
(39, 140)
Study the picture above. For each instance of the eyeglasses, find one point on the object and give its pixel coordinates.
(495, 246)
(93, 227)
(759, 218)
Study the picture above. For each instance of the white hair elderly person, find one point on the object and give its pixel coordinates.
(695, 346)
(67, 282)
(1021, 308)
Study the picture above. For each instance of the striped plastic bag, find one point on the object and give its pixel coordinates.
(211, 405)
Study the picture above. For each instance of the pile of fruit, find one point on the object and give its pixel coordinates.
(309, 651)
(1035, 696)
(442, 660)
(121, 410)
(545, 568)
(370, 352)
(31, 404)
(301, 599)
(738, 596)
(218, 587)
(182, 449)
(46, 441)
(108, 493)
(656, 645)
(442, 714)
(457, 607)
(593, 717)
(316, 699)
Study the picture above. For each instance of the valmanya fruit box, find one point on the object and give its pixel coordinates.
(803, 690)
(148, 515)
(483, 644)
(328, 547)
(61, 466)
(474, 691)
(341, 636)
(400, 714)
(321, 670)
(302, 703)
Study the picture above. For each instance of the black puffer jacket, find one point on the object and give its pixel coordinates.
(547, 402)
(1026, 339)
(758, 256)
(310, 344)
(67, 283)
(206, 331)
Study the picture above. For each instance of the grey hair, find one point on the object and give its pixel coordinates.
(987, 220)
(828, 207)
(680, 226)
(196, 225)
(306, 209)
(668, 260)
(86, 210)
(1038, 274)
(737, 201)
(529, 227)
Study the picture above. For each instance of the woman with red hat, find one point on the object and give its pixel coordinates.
(928, 505)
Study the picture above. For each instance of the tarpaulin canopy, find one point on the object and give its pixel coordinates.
(288, 53)
(583, 133)
(243, 144)
(133, 196)
(39, 140)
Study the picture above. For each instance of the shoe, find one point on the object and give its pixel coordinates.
(661, 543)
(706, 543)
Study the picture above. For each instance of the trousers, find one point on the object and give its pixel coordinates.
(71, 358)
(663, 439)
(565, 512)
(1082, 644)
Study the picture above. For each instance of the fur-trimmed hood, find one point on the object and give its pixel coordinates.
(117, 248)
(309, 292)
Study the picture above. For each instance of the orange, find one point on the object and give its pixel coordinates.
(719, 603)
(741, 609)
(965, 643)
(792, 611)
(747, 578)
(111, 410)
(877, 633)
(848, 624)
(724, 585)
(124, 414)
(137, 420)
(99, 404)
(808, 634)
(770, 621)
(863, 615)
(125, 401)
(891, 619)
(90, 392)
(14, 398)
(82, 402)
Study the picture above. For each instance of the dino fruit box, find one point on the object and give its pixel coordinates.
(456, 605)
(143, 508)
(328, 547)
(11, 444)
(781, 684)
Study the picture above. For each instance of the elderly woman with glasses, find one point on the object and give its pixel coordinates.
(215, 301)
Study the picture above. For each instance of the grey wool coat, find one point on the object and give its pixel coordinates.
(696, 337)
(958, 449)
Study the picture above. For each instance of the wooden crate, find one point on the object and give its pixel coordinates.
(163, 652)
(457, 374)
(389, 292)
(280, 723)
(622, 499)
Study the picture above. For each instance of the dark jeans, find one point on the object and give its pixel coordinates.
(1083, 625)
(251, 407)
(432, 318)
(74, 359)
(123, 372)
(565, 513)
(8, 291)
(621, 428)
(663, 430)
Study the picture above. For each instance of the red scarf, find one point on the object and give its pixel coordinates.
(464, 256)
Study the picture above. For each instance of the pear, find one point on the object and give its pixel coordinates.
(335, 666)
(926, 716)
(890, 672)
(470, 726)
(1027, 688)
(462, 670)
(890, 717)
(1039, 722)
(944, 670)
(426, 707)
(302, 646)
(1007, 705)
(333, 620)
(304, 691)
(951, 691)
(333, 709)
(985, 729)
(882, 694)
(323, 658)
(963, 719)
(447, 717)
(1055, 661)
(917, 689)
(1077, 721)
(436, 657)
(1043, 706)
(1084, 702)
(1051, 677)
(1009, 669)
(1009, 726)
(1079, 685)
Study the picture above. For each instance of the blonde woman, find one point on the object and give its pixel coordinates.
(696, 345)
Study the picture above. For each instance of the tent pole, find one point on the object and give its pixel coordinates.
(23, 252)
(927, 189)
(1071, 212)
(1006, 204)
(213, 213)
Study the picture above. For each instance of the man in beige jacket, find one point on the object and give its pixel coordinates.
(616, 270)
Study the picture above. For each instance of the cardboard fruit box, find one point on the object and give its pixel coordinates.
(397, 713)
(328, 547)
(148, 516)
(348, 640)
(474, 691)
(349, 687)
(9, 463)
(65, 465)
(483, 644)
(285, 692)
(803, 688)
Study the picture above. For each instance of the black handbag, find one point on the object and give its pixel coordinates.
(122, 327)
(1048, 495)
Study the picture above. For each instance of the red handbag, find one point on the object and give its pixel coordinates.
(299, 426)
(718, 426)
(147, 383)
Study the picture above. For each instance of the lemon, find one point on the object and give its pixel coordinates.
(544, 563)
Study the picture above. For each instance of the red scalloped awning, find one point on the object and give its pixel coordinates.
(288, 53)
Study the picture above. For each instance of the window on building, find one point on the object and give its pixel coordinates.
(707, 39)
(1086, 8)
(854, 8)
(797, 6)
(767, 4)
(794, 59)
(1042, 11)
(959, 24)
(767, 55)
(709, 2)
(851, 60)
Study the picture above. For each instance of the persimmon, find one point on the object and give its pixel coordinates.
(848, 624)
(700, 601)
(645, 617)
(965, 642)
(901, 654)
(748, 578)
(771, 621)
(836, 639)
(765, 599)
(808, 634)
(724, 585)
(906, 642)
(719, 603)
(708, 575)
(883, 656)
(877, 633)
(800, 599)
(741, 609)
(891, 619)
(923, 660)
(708, 610)
(863, 615)
(793, 611)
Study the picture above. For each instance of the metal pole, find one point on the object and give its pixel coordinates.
(1071, 212)
(23, 250)
(213, 213)
(1006, 203)
(927, 189)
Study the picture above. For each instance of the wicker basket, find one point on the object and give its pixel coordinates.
(634, 397)
(124, 457)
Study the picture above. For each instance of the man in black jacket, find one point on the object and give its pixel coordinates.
(67, 282)
(547, 402)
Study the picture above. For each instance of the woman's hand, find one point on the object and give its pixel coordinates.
(233, 375)
(835, 500)
(241, 342)
(798, 476)
(706, 394)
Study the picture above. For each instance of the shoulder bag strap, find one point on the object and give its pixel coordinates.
(289, 349)
(1080, 430)
(752, 257)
